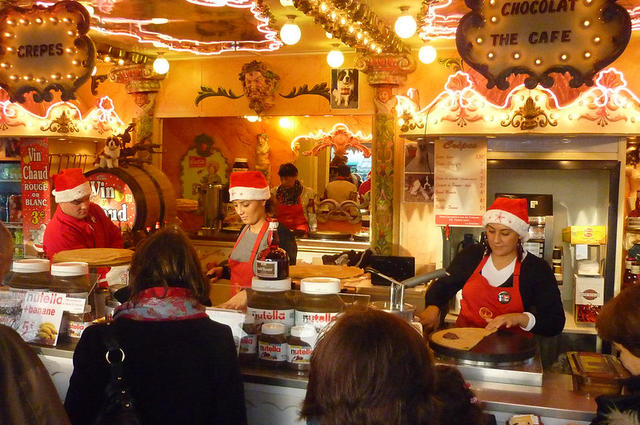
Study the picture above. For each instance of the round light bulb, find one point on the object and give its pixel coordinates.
(427, 54)
(405, 26)
(286, 3)
(335, 59)
(161, 66)
(290, 34)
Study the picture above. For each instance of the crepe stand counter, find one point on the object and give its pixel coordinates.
(108, 269)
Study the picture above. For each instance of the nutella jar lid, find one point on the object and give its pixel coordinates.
(75, 268)
(303, 331)
(273, 328)
(30, 265)
(320, 285)
(270, 285)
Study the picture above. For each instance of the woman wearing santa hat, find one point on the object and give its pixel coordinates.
(77, 223)
(249, 192)
(502, 285)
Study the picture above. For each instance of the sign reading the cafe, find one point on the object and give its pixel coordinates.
(44, 49)
(36, 209)
(114, 196)
(539, 37)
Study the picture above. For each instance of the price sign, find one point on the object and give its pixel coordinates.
(34, 162)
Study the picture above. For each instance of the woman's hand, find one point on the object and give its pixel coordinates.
(214, 274)
(237, 302)
(508, 320)
(430, 319)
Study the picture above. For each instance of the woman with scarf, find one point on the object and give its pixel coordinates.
(180, 366)
(293, 200)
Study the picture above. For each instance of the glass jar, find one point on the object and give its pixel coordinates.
(29, 274)
(300, 347)
(77, 323)
(319, 302)
(272, 345)
(248, 350)
(71, 278)
(268, 301)
(240, 164)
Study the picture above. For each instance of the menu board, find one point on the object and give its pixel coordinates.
(460, 182)
(34, 163)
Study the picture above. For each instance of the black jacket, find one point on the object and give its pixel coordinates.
(538, 288)
(179, 372)
(611, 408)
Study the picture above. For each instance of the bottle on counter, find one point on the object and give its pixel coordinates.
(30, 273)
(300, 346)
(272, 263)
(627, 278)
(268, 301)
(272, 345)
(319, 302)
(311, 214)
(248, 349)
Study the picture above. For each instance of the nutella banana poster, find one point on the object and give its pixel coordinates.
(460, 195)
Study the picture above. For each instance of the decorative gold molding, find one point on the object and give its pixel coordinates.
(528, 117)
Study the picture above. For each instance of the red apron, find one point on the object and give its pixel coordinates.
(293, 217)
(242, 273)
(482, 301)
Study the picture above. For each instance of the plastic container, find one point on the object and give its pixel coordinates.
(71, 278)
(77, 323)
(29, 274)
(268, 301)
(300, 346)
(272, 345)
(248, 349)
(319, 302)
(595, 373)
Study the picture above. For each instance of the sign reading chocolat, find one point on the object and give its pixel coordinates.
(44, 49)
(540, 37)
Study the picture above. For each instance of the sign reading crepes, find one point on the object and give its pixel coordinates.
(44, 49)
(539, 37)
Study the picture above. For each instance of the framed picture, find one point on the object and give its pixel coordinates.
(344, 88)
(9, 148)
(418, 187)
(419, 156)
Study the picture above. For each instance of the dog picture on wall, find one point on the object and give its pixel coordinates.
(344, 88)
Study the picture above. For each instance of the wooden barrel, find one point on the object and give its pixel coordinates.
(168, 210)
(127, 194)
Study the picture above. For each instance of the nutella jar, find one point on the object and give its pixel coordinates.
(300, 347)
(71, 278)
(240, 164)
(248, 350)
(77, 323)
(272, 345)
(29, 274)
(268, 301)
(319, 302)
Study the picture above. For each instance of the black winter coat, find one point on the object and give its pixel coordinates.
(621, 408)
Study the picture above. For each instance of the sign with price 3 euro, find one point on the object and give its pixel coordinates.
(34, 162)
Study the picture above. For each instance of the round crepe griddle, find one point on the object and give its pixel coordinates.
(329, 235)
(499, 347)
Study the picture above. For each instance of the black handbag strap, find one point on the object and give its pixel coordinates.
(115, 357)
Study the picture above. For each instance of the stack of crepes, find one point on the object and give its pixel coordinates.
(95, 257)
(349, 276)
(183, 204)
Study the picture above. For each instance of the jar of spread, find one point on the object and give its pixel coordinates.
(248, 350)
(29, 274)
(272, 345)
(78, 322)
(269, 301)
(71, 278)
(319, 302)
(240, 164)
(300, 346)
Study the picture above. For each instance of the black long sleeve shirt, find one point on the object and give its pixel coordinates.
(538, 288)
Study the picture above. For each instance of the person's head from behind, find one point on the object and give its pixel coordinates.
(619, 323)
(458, 403)
(344, 171)
(167, 259)
(370, 368)
(6, 251)
(288, 175)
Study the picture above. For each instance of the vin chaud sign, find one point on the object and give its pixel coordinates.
(539, 37)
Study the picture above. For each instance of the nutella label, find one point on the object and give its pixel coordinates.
(271, 351)
(299, 354)
(76, 328)
(318, 320)
(267, 269)
(287, 317)
(249, 344)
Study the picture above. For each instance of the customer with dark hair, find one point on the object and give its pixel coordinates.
(27, 395)
(181, 366)
(459, 404)
(370, 368)
(293, 201)
(342, 188)
(619, 323)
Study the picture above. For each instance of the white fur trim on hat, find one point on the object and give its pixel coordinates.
(505, 218)
(240, 193)
(72, 194)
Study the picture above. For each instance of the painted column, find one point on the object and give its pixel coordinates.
(386, 72)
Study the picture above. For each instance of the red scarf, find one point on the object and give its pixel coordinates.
(154, 305)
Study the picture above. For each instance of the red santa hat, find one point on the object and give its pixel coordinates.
(248, 185)
(70, 184)
(509, 212)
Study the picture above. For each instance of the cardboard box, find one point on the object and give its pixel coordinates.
(591, 235)
(589, 298)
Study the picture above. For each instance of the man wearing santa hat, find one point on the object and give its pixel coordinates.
(77, 223)
(502, 284)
